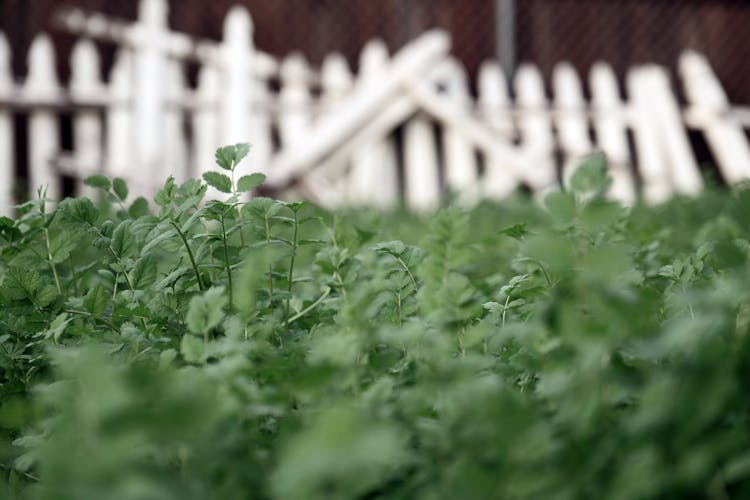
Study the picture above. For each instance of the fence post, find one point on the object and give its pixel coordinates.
(374, 163)
(610, 126)
(44, 141)
(421, 165)
(175, 154)
(85, 84)
(295, 116)
(119, 130)
(494, 106)
(149, 87)
(205, 122)
(460, 162)
(7, 177)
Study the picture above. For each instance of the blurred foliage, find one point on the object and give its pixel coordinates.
(235, 349)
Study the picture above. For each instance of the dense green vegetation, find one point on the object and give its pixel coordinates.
(191, 349)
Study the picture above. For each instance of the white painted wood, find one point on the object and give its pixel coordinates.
(205, 122)
(149, 88)
(610, 126)
(336, 81)
(652, 164)
(373, 179)
(725, 137)
(422, 187)
(295, 102)
(119, 152)
(494, 107)
(535, 126)
(571, 120)
(461, 175)
(175, 148)
(7, 177)
(365, 102)
(683, 168)
(85, 82)
(44, 140)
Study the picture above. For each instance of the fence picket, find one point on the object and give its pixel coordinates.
(421, 177)
(44, 141)
(652, 165)
(119, 134)
(610, 126)
(205, 123)
(683, 169)
(725, 137)
(7, 180)
(373, 178)
(535, 126)
(460, 162)
(295, 118)
(494, 107)
(571, 121)
(85, 83)
(175, 142)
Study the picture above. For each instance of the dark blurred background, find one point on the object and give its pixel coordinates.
(622, 32)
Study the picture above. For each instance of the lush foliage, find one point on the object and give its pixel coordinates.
(193, 349)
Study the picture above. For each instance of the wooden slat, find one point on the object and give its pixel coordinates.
(175, 153)
(85, 81)
(535, 125)
(610, 126)
(460, 163)
(420, 170)
(725, 136)
(374, 164)
(205, 123)
(572, 122)
(652, 164)
(44, 138)
(7, 179)
(119, 133)
(494, 106)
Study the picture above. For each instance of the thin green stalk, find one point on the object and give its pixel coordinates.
(51, 261)
(406, 268)
(270, 266)
(310, 307)
(239, 213)
(201, 286)
(226, 263)
(291, 264)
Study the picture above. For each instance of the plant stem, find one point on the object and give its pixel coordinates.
(201, 286)
(226, 263)
(270, 266)
(51, 261)
(406, 268)
(103, 321)
(310, 307)
(291, 264)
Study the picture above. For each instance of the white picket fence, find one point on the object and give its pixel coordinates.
(405, 128)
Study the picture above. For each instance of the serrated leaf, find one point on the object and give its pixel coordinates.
(192, 349)
(516, 231)
(120, 187)
(139, 208)
(144, 272)
(98, 181)
(78, 211)
(248, 182)
(228, 157)
(124, 243)
(95, 301)
(218, 181)
(206, 310)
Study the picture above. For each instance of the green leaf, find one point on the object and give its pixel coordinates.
(228, 157)
(124, 243)
(120, 188)
(98, 181)
(516, 231)
(248, 182)
(218, 181)
(78, 211)
(591, 176)
(139, 208)
(96, 301)
(206, 311)
(192, 349)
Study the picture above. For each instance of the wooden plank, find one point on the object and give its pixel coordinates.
(571, 120)
(535, 125)
(683, 168)
(295, 102)
(494, 107)
(175, 152)
(461, 176)
(652, 163)
(365, 102)
(205, 123)
(119, 155)
(422, 189)
(44, 140)
(374, 163)
(610, 126)
(86, 81)
(7, 177)
(711, 106)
